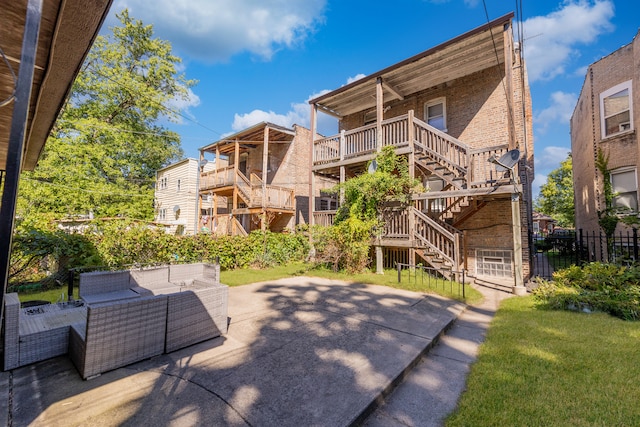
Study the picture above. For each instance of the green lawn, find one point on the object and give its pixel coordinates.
(249, 275)
(541, 368)
(389, 278)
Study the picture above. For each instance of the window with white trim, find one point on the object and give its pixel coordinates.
(162, 214)
(616, 109)
(624, 185)
(435, 113)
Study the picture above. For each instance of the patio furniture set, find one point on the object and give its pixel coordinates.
(122, 317)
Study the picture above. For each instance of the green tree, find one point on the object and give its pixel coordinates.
(109, 140)
(556, 195)
(346, 245)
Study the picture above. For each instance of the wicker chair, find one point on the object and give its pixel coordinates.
(118, 333)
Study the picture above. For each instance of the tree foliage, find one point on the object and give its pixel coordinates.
(109, 140)
(366, 194)
(346, 245)
(556, 195)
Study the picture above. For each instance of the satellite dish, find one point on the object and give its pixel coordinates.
(507, 161)
(373, 166)
(176, 208)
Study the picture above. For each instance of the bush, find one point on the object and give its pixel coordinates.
(40, 257)
(345, 246)
(597, 286)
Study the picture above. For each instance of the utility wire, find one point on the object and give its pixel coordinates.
(502, 77)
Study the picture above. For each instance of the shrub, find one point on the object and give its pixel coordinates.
(596, 286)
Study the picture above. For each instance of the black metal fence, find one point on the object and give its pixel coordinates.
(432, 278)
(561, 250)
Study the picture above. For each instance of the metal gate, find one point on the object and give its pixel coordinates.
(564, 248)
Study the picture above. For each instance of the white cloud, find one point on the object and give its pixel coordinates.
(550, 159)
(215, 30)
(299, 114)
(183, 105)
(560, 110)
(549, 41)
(355, 78)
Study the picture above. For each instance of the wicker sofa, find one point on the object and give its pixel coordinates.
(118, 333)
(195, 307)
(125, 316)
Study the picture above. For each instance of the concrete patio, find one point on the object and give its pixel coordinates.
(299, 351)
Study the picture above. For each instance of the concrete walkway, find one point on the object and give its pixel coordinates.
(299, 352)
(431, 390)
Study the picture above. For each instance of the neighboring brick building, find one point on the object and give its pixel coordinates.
(265, 182)
(175, 196)
(604, 119)
(449, 109)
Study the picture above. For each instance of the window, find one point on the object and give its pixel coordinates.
(625, 189)
(536, 227)
(493, 263)
(162, 214)
(434, 184)
(435, 113)
(162, 183)
(370, 117)
(615, 110)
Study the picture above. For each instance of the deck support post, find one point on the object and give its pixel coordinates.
(17, 138)
(379, 113)
(236, 165)
(518, 286)
(265, 163)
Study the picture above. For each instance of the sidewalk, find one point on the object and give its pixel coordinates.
(432, 389)
(299, 351)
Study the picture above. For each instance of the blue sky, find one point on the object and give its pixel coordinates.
(261, 60)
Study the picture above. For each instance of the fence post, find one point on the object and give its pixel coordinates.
(635, 244)
(399, 275)
(70, 284)
(463, 294)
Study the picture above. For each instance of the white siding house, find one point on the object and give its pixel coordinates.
(176, 195)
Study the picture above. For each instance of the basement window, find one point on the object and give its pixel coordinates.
(493, 263)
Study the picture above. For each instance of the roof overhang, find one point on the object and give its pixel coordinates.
(67, 31)
(251, 137)
(471, 52)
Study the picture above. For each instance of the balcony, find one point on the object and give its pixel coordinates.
(434, 148)
(253, 192)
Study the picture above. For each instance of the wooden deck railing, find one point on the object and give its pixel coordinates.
(396, 224)
(442, 149)
(437, 238)
(324, 218)
(250, 189)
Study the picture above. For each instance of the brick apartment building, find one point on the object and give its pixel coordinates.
(262, 183)
(604, 120)
(450, 110)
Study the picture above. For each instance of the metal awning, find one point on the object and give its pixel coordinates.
(474, 51)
